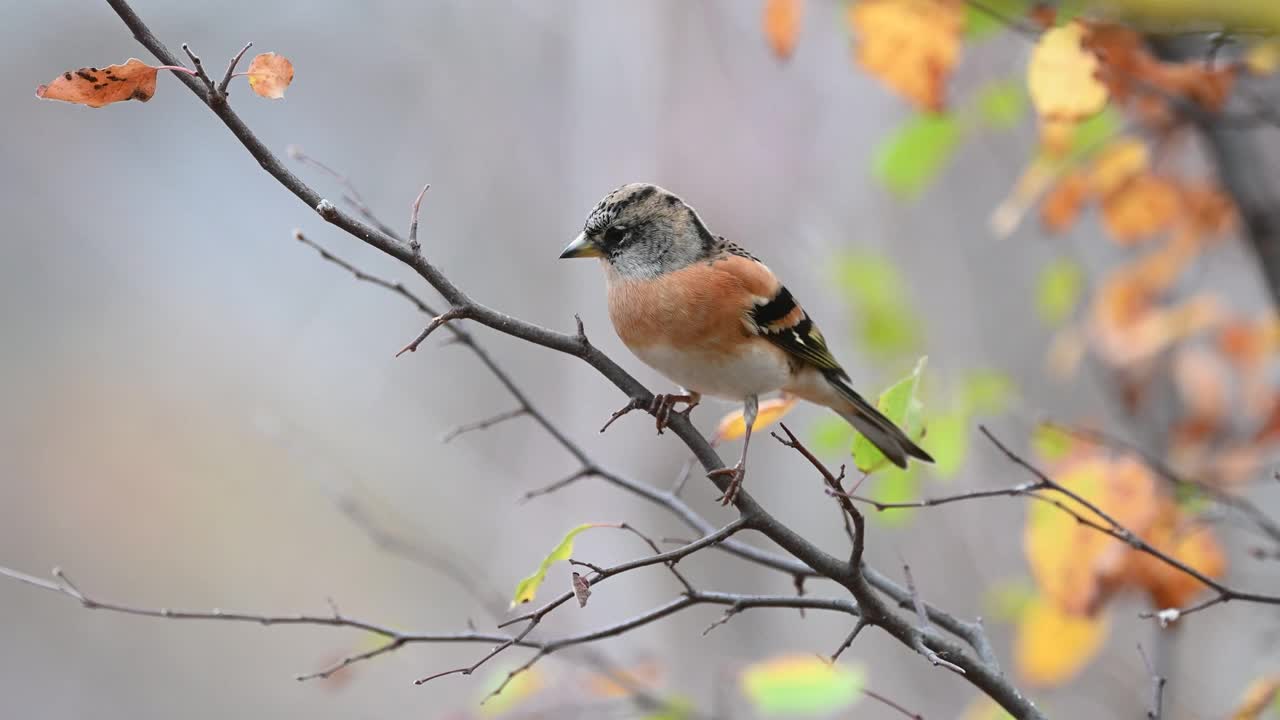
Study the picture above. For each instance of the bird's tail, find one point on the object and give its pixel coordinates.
(877, 428)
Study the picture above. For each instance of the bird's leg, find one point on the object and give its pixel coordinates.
(663, 407)
(736, 473)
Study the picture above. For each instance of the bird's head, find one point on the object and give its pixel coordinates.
(642, 230)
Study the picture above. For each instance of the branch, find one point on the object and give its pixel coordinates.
(1110, 526)
(860, 583)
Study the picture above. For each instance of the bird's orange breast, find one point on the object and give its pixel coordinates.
(700, 307)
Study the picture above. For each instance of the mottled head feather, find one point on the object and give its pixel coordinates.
(644, 231)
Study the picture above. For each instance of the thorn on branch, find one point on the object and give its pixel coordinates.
(848, 641)
(557, 485)
(923, 627)
(482, 424)
(199, 66)
(450, 314)
(414, 246)
(728, 615)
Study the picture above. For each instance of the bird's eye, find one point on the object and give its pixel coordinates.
(616, 235)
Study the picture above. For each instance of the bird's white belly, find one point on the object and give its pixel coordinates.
(755, 370)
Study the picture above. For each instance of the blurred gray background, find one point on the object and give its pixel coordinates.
(186, 392)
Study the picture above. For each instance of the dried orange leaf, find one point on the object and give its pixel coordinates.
(1062, 205)
(624, 682)
(1062, 75)
(134, 80)
(1180, 537)
(1077, 567)
(1202, 379)
(1051, 646)
(734, 425)
(269, 74)
(910, 45)
(1141, 207)
(782, 26)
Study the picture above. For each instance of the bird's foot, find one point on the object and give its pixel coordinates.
(663, 407)
(735, 475)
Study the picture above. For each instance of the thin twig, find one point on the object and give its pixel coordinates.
(231, 69)
(413, 220)
(200, 73)
(482, 424)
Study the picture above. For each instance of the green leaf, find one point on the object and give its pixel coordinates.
(896, 485)
(674, 709)
(900, 404)
(802, 685)
(992, 17)
(908, 159)
(528, 587)
(830, 435)
(1058, 290)
(1050, 443)
(1091, 134)
(1003, 103)
(1007, 599)
(985, 392)
(948, 442)
(887, 326)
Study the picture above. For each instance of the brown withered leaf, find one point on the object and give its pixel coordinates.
(269, 74)
(134, 80)
(581, 589)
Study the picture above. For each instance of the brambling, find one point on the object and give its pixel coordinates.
(715, 320)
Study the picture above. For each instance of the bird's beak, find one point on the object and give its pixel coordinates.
(581, 247)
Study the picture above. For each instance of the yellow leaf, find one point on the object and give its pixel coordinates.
(527, 589)
(984, 708)
(269, 74)
(1051, 646)
(734, 425)
(910, 45)
(1062, 75)
(782, 26)
(1260, 693)
(523, 686)
(1118, 162)
(801, 685)
(1263, 57)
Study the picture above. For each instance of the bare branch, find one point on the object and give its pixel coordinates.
(923, 628)
(1157, 687)
(890, 703)
(199, 66)
(848, 640)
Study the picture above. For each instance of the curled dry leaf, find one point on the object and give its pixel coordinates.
(581, 589)
(910, 45)
(134, 80)
(269, 74)
(1062, 75)
(782, 26)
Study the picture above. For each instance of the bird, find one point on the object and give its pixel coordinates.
(715, 320)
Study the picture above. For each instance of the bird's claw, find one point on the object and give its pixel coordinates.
(736, 475)
(663, 407)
